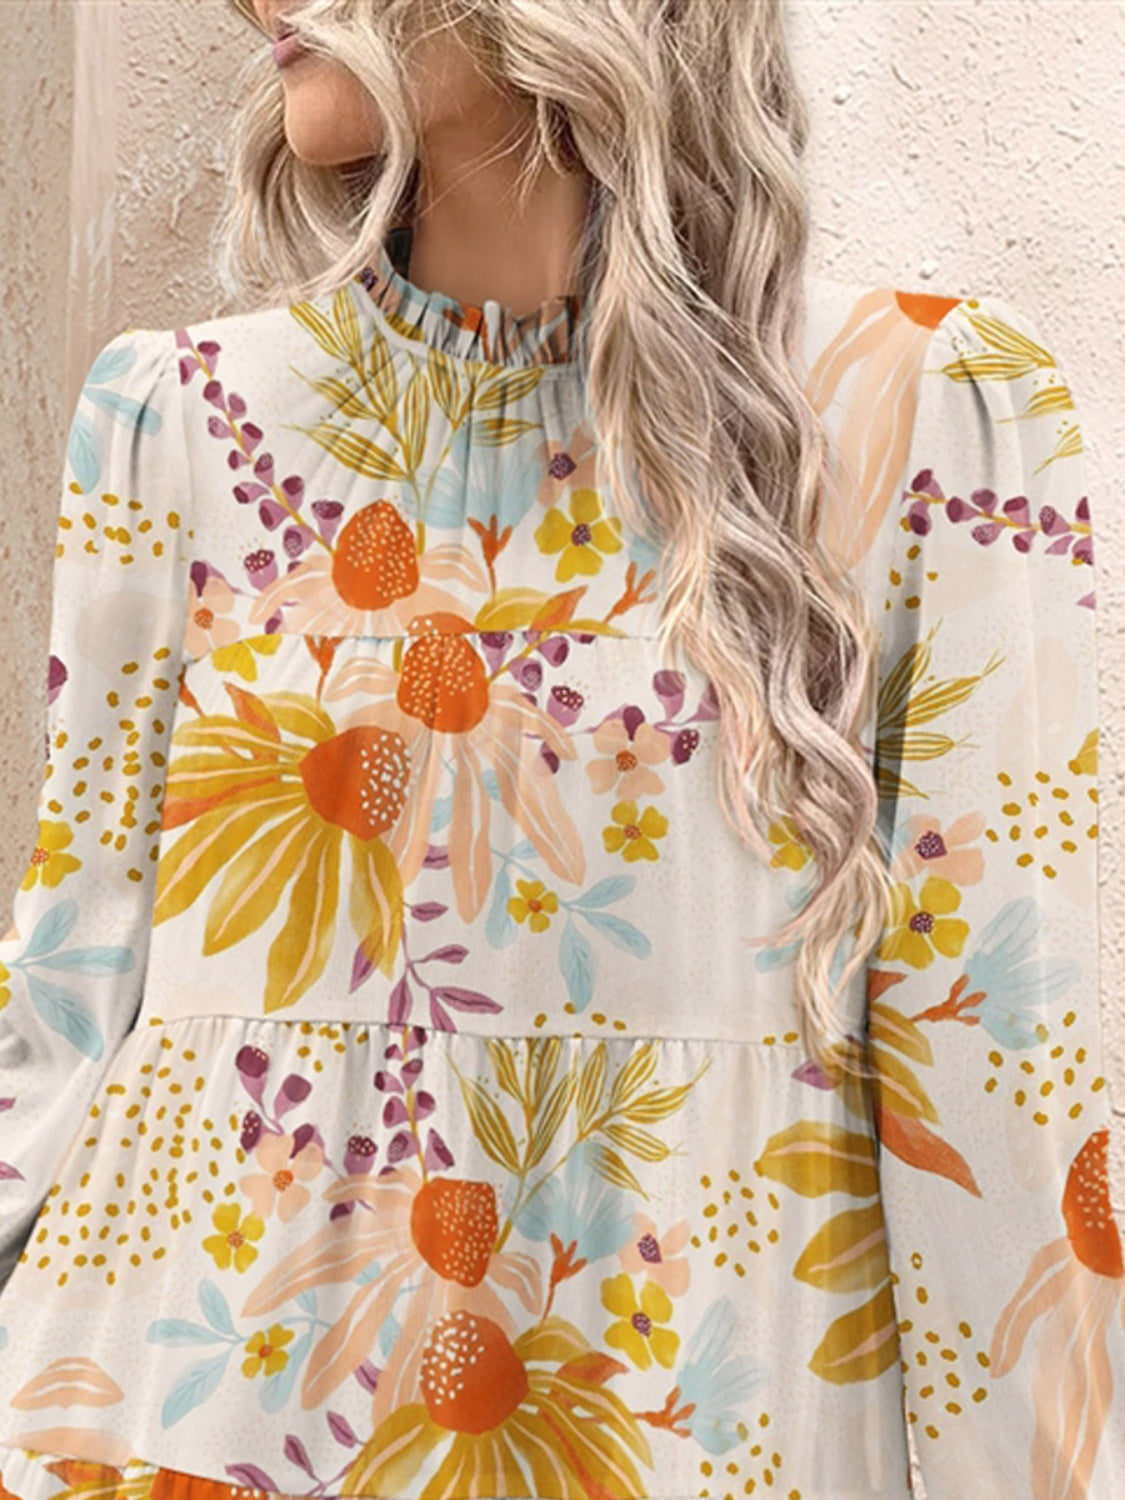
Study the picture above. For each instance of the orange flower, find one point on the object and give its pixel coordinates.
(1076, 1283)
(371, 581)
(439, 701)
(274, 794)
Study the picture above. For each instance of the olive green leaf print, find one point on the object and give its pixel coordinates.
(1012, 354)
(478, 391)
(613, 1124)
(903, 706)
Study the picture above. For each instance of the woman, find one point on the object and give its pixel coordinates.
(560, 955)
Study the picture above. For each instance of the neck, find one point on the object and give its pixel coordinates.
(470, 242)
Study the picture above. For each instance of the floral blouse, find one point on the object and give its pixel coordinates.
(401, 1096)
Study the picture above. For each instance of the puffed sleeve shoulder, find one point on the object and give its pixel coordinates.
(72, 964)
(992, 1107)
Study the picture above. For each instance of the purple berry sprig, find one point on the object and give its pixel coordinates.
(406, 1105)
(988, 518)
(278, 500)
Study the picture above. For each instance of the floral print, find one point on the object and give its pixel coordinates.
(402, 1093)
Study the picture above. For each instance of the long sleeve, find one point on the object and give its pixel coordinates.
(992, 1109)
(72, 963)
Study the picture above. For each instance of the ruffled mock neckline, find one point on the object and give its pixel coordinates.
(492, 332)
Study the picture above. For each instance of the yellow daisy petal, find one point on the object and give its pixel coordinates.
(606, 535)
(253, 1228)
(656, 1302)
(939, 896)
(664, 1343)
(585, 505)
(625, 1336)
(226, 1216)
(581, 559)
(653, 823)
(244, 1256)
(619, 1295)
(640, 849)
(948, 935)
(553, 532)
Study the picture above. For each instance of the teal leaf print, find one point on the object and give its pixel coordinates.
(276, 1389)
(578, 964)
(613, 888)
(623, 933)
(193, 1387)
(1015, 985)
(442, 812)
(714, 1380)
(82, 455)
(500, 928)
(389, 1330)
(215, 1310)
(52, 929)
(117, 960)
(68, 1014)
(176, 1331)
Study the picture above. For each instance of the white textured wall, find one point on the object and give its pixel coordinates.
(959, 146)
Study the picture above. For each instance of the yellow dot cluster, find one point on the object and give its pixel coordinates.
(339, 1033)
(91, 534)
(761, 1458)
(138, 1205)
(1057, 1078)
(1048, 823)
(99, 774)
(895, 577)
(168, 1159)
(595, 1018)
(741, 1230)
(945, 1376)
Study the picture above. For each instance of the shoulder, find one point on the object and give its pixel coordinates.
(891, 368)
(248, 347)
(850, 325)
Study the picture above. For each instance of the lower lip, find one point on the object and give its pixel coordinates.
(287, 49)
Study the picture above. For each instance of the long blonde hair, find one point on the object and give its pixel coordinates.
(687, 118)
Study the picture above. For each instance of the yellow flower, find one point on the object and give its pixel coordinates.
(48, 863)
(5, 987)
(634, 835)
(923, 925)
(264, 1351)
(232, 1241)
(792, 852)
(535, 901)
(635, 1331)
(581, 537)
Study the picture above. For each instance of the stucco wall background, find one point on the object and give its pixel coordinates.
(959, 146)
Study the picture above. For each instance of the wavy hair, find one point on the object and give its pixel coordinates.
(687, 118)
